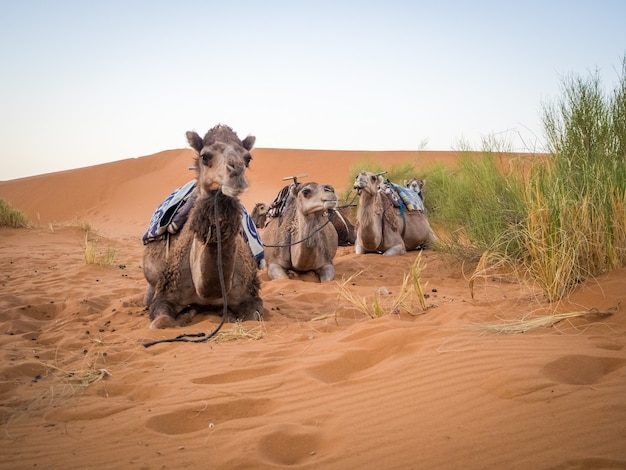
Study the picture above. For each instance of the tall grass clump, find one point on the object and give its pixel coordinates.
(576, 198)
(11, 217)
(479, 204)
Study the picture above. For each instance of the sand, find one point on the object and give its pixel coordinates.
(316, 384)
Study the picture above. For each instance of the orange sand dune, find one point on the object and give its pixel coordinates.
(317, 384)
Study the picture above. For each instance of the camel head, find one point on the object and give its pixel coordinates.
(222, 160)
(313, 197)
(416, 185)
(368, 182)
(260, 208)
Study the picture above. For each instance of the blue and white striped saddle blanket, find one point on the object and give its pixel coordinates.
(173, 212)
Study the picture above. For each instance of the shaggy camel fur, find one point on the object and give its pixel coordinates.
(186, 273)
(302, 239)
(380, 227)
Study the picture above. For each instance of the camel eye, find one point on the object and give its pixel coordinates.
(206, 157)
(306, 192)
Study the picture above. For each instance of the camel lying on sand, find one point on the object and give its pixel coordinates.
(184, 270)
(345, 228)
(383, 228)
(301, 238)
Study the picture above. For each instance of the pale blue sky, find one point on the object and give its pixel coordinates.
(85, 82)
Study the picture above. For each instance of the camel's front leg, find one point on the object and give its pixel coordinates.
(276, 271)
(358, 249)
(326, 273)
(395, 250)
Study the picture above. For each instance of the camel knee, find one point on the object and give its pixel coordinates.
(163, 321)
(395, 250)
(275, 271)
(327, 273)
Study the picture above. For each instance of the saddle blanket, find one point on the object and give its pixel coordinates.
(173, 212)
(409, 198)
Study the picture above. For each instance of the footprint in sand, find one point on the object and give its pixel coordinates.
(289, 444)
(580, 369)
(238, 375)
(202, 415)
(524, 383)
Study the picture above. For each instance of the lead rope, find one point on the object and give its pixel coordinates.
(184, 338)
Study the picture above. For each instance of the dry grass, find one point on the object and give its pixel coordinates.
(95, 256)
(382, 302)
(544, 321)
(239, 332)
(11, 217)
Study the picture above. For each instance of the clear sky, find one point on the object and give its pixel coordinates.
(86, 82)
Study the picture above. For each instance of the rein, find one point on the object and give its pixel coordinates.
(184, 338)
(302, 240)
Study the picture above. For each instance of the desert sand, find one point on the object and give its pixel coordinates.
(317, 383)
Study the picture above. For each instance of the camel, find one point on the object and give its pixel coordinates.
(259, 214)
(183, 271)
(383, 228)
(301, 238)
(416, 185)
(345, 229)
(341, 222)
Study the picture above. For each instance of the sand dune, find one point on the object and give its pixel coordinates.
(317, 384)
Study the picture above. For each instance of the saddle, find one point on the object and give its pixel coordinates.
(402, 197)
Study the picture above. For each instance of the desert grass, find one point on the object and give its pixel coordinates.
(382, 302)
(525, 325)
(93, 255)
(12, 217)
(238, 332)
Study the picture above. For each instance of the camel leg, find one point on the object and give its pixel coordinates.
(395, 250)
(358, 249)
(163, 321)
(148, 296)
(276, 271)
(250, 310)
(326, 273)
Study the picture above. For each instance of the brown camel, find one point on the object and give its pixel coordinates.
(416, 185)
(183, 270)
(259, 214)
(341, 222)
(381, 227)
(344, 227)
(301, 238)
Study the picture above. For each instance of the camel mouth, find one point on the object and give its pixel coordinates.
(330, 203)
(230, 191)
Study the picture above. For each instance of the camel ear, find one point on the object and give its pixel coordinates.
(405, 182)
(248, 142)
(194, 140)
